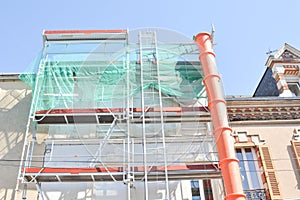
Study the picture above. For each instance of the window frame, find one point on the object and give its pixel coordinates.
(294, 87)
(203, 195)
(247, 169)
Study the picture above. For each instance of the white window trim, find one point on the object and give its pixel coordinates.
(247, 167)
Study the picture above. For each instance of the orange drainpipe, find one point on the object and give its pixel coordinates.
(229, 164)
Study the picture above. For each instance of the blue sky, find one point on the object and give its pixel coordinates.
(245, 30)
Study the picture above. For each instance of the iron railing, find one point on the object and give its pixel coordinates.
(256, 194)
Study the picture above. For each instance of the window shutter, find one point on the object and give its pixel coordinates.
(269, 176)
(296, 149)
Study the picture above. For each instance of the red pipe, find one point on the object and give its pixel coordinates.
(229, 164)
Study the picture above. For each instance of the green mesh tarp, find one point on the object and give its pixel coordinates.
(30, 74)
(76, 76)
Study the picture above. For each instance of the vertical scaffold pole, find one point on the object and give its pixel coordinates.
(162, 118)
(144, 123)
(27, 132)
(222, 132)
(128, 113)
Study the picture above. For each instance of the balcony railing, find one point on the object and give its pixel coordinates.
(256, 194)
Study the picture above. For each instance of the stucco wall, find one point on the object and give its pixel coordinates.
(15, 99)
(278, 136)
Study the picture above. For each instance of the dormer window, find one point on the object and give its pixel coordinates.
(294, 88)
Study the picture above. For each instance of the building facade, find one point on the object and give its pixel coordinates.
(266, 128)
(104, 116)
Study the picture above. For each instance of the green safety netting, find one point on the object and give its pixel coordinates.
(68, 76)
(30, 73)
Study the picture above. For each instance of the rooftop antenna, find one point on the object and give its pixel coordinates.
(269, 52)
(212, 35)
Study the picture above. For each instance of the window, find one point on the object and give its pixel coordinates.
(201, 190)
(195, 190)
(207, 190)
(258, 173)
(294, 88)
(249, 168)
(287, 55)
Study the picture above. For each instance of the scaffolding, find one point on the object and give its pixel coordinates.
(117, 107)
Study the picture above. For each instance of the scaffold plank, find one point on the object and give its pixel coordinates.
(176, 172)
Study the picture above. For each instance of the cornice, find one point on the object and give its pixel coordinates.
(257, 110)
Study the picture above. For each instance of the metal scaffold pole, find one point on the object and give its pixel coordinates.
(27, 132)
(161, 118)
(129, 176)
(150, 76)
(143, 121)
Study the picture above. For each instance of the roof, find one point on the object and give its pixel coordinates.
(285, 47)
(9, 76)
(278, 56)
(267, 85)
